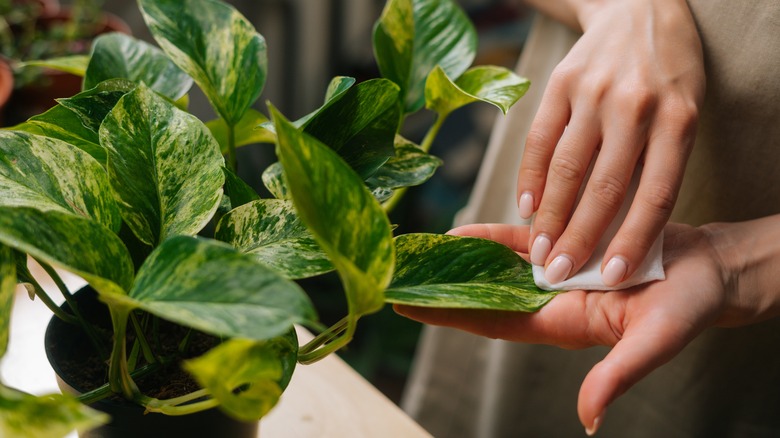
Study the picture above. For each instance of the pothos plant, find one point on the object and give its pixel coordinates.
(118, 183)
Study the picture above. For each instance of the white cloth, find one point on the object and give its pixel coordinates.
(589, 277)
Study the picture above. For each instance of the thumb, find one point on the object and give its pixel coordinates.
(639, 352)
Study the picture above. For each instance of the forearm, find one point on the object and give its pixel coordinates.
(750, 255)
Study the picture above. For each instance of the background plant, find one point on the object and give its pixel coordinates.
(119, 184)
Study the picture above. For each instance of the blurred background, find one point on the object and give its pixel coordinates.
(309, 42)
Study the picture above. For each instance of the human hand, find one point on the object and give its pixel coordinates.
(710, 280)
(632, 87)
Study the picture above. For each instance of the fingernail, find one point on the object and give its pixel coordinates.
(540, 250)
(614, 271)
(559, 269)
(590, 431)
(525, 207)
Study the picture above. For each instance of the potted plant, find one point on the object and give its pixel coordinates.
(48, 46)
(119, 183)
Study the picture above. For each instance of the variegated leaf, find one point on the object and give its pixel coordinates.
(73, 243)
(48, 174)
(463, 272)
(7, 289)
(413, 36)
(346, 220)
(238, 191)
(360, 125)
(73, 64)
(163, 165)
(208, 285)
(410, 166)
(117, 55)
(495, 85)
(63, 124)
(271, 230)
(91, 106)
(27, 416)
(244, 375)
(246, 131)
(273, 180)
(216, 46)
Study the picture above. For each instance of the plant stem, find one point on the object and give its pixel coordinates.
(231, 138)
(141, 338)
(328, 341)
(105, 390)
(81, 321)
(154, 405)
(433, 131)
(119, 377)
(55, 309)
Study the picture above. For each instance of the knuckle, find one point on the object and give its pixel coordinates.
(683, 113)
(661, 199)
(567, 169)
(608, 191)
(538, 143)
(637, 101)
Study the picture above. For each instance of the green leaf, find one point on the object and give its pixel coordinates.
(346, 220)
(74, 64)
(216, 46)
(7, 289)
(208, 285)
(76, 244)
(48, 174)
(163, 165)
(463, 272)
(63, 124)
(117, 55)
(92, 106)
(237, 190)
(495, 85)
(271, 230)
(413, 36)
(273, 180)
(410, 166)
(246, 131)
(244, 375)
(360, 125)
(23, 274)
(27, 416)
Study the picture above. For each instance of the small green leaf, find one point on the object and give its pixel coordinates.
(273, 180)
(27, 416)
(92, 106)
(360, 125)
(23, 274)
(7, 289)
(346, 220)
(244, 375)
(410, 166)
(63, 124)
(207, 285)
(495, 85)
(117, 55)
(463, 272)
(74, 64)
(78, 245)
(48, 174)
(237, 190)
(163, 164)
(413, 36)
(246, 130)
(216, 45)
(271, 230)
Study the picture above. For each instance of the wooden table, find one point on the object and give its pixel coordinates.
(325, 399)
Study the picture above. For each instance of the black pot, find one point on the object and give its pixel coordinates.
(127, 419)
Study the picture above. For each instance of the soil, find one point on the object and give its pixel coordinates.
(84, 370)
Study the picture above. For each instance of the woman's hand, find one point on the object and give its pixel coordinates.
(631, 87)
(721, 274)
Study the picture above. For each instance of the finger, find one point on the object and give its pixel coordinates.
(641, 350)
(568, 168)
(546, 129)
(602, 199)
(662, 175)
(572, 320)
(513, 236)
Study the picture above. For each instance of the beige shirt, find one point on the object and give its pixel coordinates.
(725, 383)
